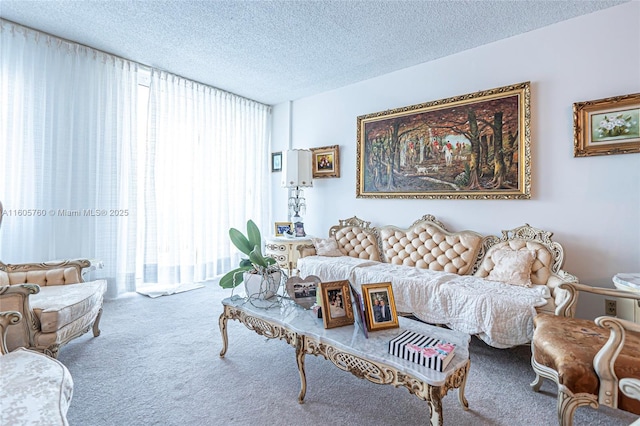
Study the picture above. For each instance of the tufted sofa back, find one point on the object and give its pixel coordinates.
(357, 242)
(43, 274)
(428, 245)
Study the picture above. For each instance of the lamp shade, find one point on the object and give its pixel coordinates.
(296, 168)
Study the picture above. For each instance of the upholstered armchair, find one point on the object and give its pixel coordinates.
(55, 303)
(590, 361)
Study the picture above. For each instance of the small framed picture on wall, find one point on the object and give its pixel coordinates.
(326, 162)
(276, 161)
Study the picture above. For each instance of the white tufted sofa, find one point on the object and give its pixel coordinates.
(445, 277)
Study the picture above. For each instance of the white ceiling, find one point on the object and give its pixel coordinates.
(275, 51)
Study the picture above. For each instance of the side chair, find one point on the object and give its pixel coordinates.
(589, 360)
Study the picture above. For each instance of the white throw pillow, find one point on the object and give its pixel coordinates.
(512, 266)
(326, 247)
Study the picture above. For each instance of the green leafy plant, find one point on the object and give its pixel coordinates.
(256, 263)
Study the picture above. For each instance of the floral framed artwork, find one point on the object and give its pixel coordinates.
(337, 310)
(607, 126)
(283, 228)
(379, 306)
(326, 162)
(276, 161)
(474, 146)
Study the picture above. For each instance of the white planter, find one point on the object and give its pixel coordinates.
(258, 286)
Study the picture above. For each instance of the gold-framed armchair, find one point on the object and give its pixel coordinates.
(53, 300)
(589, 360)
(56, 304)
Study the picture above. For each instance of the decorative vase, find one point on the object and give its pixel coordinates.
(262, 286)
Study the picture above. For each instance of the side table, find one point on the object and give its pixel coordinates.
(285, 251)
(628, 309)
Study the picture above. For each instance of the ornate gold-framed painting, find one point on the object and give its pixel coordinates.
(326, 162)
(607, 126)
(474, 146)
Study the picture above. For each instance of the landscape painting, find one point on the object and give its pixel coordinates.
(475, 146)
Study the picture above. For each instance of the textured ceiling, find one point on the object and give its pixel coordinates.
(275, 51)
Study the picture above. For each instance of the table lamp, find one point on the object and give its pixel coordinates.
(297, 174)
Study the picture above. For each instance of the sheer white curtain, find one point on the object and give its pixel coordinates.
(205, 171)
(67, 153)
(77, 180)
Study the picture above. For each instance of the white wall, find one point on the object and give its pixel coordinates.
(592, 205)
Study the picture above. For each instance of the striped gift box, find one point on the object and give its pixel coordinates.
(424, 350)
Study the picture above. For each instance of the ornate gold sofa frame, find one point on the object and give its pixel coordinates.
(586, 359)
(55, 302)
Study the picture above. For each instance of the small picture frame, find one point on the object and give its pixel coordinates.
(337, 310)
(276, 161)
(326, 162)
(361, 319)
(299, 230)
(607, 126)
(303, 291)
(282, 229)
(380, 306)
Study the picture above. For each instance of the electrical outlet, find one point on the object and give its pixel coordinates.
(610, 307)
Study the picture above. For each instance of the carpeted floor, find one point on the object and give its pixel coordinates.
(157, 363)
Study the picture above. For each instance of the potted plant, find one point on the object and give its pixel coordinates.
(261, 274)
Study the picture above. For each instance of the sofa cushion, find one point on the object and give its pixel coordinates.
(58, 306)
(512, 267)
(326, 247)
(541, 269)
(568, 345)
(36, 389)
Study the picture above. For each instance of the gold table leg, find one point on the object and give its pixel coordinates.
(223, 330)
(461, 397)
(300, 359)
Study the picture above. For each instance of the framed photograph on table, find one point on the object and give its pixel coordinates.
(326, 162)
(283, 228)
(380, 306)
(361, 319)
(337, 310)
(607, 126)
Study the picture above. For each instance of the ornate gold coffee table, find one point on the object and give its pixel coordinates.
(348, 349)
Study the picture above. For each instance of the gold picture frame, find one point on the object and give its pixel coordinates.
(326, 162)
(282, 228)
(607, 126)
(380, 306)
(474, 146)
(337, 310)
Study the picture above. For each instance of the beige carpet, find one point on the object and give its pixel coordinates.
(157, 363)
